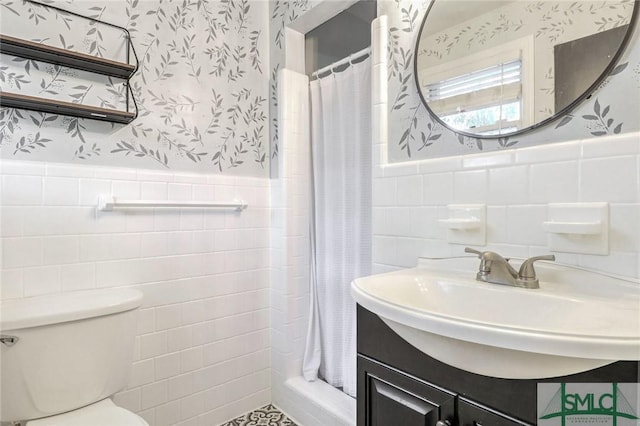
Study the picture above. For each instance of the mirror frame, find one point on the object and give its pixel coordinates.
(563, 112)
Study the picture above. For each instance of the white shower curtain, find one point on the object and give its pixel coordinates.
(341, 220)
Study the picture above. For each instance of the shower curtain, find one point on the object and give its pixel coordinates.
(341, 220)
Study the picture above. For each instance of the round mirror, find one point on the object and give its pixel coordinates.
(493, 68)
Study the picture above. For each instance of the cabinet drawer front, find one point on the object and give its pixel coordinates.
(387, 397)
(470, 414)
(391, 405)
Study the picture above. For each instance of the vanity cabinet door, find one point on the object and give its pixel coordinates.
(471, 414)
(387, 397)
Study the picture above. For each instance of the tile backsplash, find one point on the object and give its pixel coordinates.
(203, 347)
(517, 186)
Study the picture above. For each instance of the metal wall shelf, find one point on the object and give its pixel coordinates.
(15, 100)
(68, 58)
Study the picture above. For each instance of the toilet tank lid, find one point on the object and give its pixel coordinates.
(36, 311)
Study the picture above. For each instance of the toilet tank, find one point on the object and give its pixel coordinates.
(73, 349)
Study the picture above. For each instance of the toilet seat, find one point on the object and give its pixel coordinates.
(102, 413)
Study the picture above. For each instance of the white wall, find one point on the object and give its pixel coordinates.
(202, 353)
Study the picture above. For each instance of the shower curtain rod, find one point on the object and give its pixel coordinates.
(349, 59)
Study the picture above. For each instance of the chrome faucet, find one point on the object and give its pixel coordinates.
(497, 270)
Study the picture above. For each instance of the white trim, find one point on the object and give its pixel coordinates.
(294, 50)
(320, 14)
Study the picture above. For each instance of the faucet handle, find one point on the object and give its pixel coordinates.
(527, 272)
(474, 251)
(488, 256)
(486, 259)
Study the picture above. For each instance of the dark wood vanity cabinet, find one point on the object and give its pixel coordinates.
(390, 397)
(473, 414)
(400, 386)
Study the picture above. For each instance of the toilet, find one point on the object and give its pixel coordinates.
(64, 355)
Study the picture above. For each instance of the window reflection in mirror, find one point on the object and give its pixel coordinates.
(490, 68)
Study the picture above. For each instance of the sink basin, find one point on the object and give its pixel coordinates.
(576, 321)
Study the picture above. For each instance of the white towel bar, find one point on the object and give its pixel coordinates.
(108, 203)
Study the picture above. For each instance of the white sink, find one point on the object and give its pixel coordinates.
(576, 321)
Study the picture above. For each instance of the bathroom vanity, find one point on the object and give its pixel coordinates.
(400, 385)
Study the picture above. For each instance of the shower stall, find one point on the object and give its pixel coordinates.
(310, 402)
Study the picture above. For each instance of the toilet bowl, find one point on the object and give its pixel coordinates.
(63, 356)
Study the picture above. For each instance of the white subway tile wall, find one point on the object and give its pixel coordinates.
(516, 185)
(202, 353)
(290, 260)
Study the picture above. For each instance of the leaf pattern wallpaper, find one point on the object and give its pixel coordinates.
(413, 135)
(202, 87)
(207, 87)
(281, 13)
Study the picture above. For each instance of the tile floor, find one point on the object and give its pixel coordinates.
(268, 415)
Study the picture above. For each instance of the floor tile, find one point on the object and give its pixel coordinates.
(268, 415)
